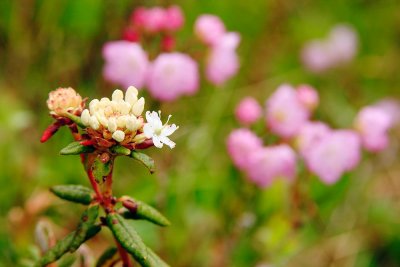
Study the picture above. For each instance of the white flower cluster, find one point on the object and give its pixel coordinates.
(118, 117)
(64, 100)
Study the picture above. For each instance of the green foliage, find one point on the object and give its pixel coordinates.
(131, 241)
(120, 150)
(137, 210)
(75, 193)
(75, 148)
(144, 159)
(108, 258)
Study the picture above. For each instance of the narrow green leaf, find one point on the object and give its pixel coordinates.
(100, 169)
(63, 245)
(108, 258)
(75, 193)
(121, 150)
(137, 209)
(75, 148)
(144, 159)
(88, 219)
(75, 119)
(131, 241)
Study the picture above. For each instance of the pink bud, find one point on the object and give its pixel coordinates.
(126, 63)
(336, 153)
(154, 20)
(131, 35)
(270, 163)
(222, 61)
(241, 143)
(172, 75)
(285, 114)
(173, 18)
(168, 43)
(138, 17)
(373, 124)
(308, 96)
(248, 111)
(209, 29)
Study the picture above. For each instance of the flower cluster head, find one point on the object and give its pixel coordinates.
(119, 120)
(326, 152)
(338, 48)
(168, 73)
(65, 100)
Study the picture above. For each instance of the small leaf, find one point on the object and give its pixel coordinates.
(75, 148)
(131, 241)
(108, 258)
(140, 210)
(75, 193)
(75, 119)
(144, 159)
(101, 170)
(88, 219)
(121, 150)
(63, 245)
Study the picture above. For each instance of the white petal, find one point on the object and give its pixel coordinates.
(148, 130)
(121, 121)
(94, 123)
(131, 123)
(157, 142)
(117, 95)
(112, 125)
(167, 141)
(139, 138)
(138, 107)
(131, 95)
(169, 129)
(154, 119)
(85, 117)
(118, 136)
(93, 105)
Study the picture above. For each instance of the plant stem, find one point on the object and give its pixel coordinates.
(95, 185)
(126, 261)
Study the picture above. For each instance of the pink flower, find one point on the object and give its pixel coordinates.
(309, 135)
(308, 96)
(241, 143)
(317, 56)
(173, 19)
(270, 163)
(126, 63)
(222, 62)
(391, 107)
(154, 19)
(343, 40)
(172, 75)
(209, 29)
(373, 124)
(248, 111)
(285, 114)
(334, 154)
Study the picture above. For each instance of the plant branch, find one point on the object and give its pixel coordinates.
(126, 261)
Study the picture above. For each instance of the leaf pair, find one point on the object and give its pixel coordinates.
(136, 209)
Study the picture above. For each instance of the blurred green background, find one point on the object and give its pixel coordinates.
(218, 218)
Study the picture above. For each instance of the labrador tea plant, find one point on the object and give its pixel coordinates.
(103, 131)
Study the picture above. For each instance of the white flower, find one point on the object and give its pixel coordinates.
(157, 131)
(117, 117)
(64, 100)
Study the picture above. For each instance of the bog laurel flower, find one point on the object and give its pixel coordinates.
(65, 100)
(157, 131)
(118, 119)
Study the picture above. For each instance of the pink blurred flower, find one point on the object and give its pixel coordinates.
(248, 111)
(285, 114)
(126, 63)
(373, 124)
(391, 107)
(340, 47)
(308, 96)
(336, 153)
(173, 19)
(222, 62)
(241, 143)
(309, 135)
(172, 75)
(209, 29)
(154, 19)
(270, 163)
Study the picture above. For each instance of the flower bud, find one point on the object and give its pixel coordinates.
(65, 100)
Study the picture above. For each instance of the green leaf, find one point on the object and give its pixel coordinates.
(63, 245)
(144, 159)
(137, 209)
(101, 170)
(88, 219)
(75, 119)
(75, 148)
(75, 193)
(108, 258)
(120, 150)
(131, 241)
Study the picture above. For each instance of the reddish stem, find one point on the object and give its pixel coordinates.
(95, 185)
(126, 261)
